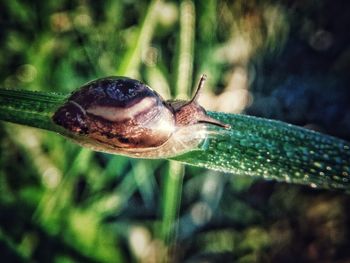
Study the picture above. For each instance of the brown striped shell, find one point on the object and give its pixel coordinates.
(124, 116)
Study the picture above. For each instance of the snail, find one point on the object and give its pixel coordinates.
(124, 116)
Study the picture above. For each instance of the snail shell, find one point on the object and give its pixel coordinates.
(124, 116)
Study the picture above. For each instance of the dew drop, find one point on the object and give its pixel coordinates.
(245, 143)
(222, 146)
(335, 177)
(326, 156)
(318, 165)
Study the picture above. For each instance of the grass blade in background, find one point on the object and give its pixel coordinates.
(186, 50)
(132, 60)
(174, 177)
(172, 191)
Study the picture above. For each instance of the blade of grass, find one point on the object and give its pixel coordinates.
(141, 172)
(30, 108)
(253, 146)
(172, 190)
(131, 62)
(186, 47)
(174, 177)
(275, 150)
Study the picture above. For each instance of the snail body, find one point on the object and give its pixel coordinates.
(124, 116)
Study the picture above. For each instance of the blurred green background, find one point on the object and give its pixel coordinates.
(286, 60)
